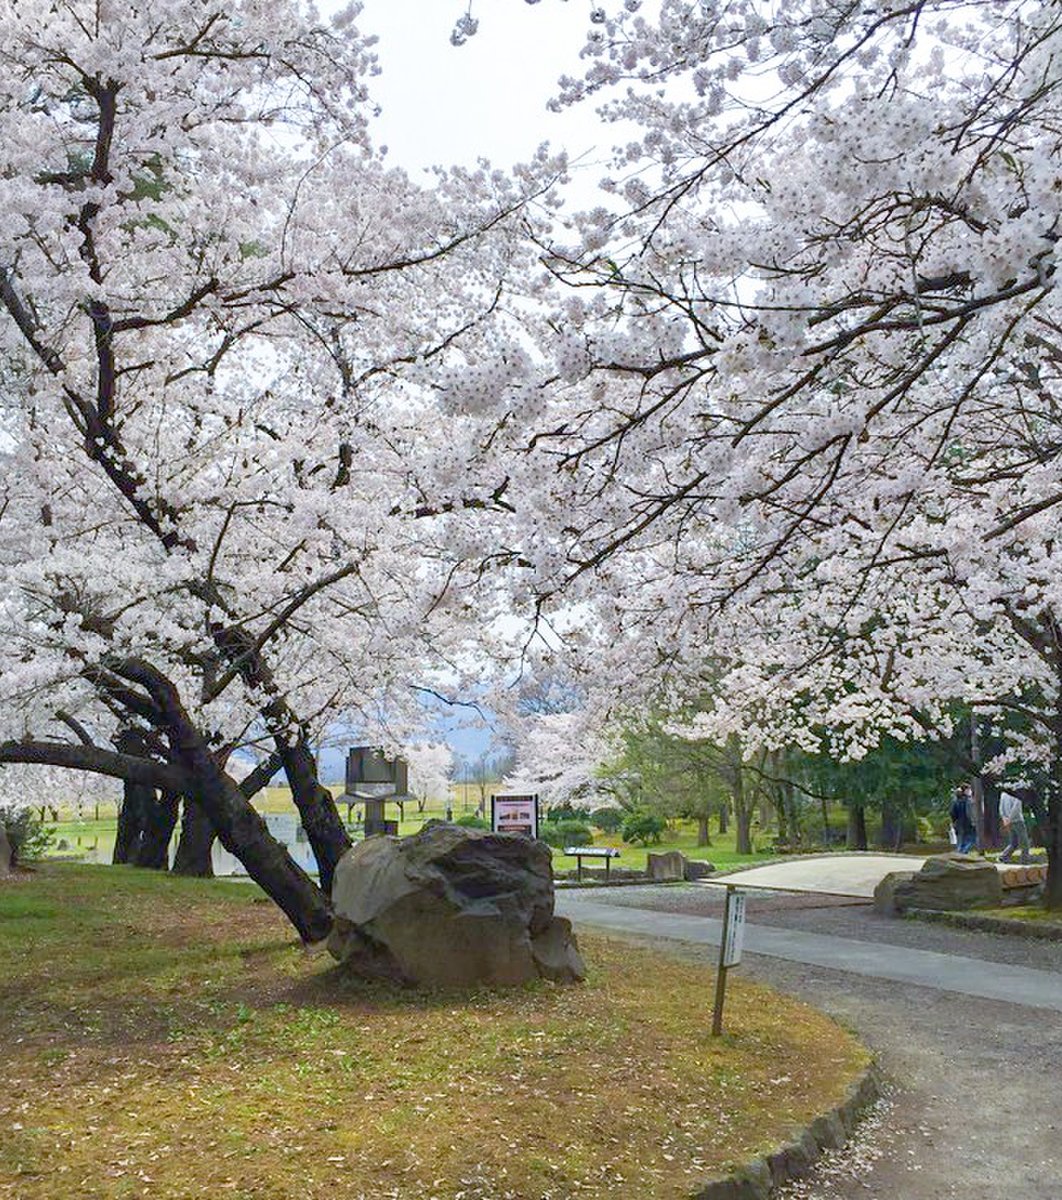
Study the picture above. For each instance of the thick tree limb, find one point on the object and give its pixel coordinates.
(97, 760)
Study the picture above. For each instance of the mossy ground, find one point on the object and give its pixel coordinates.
(164, 1037)
(1024, 912)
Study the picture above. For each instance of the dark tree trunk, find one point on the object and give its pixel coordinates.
(1053, 826)
(159, 820)
(317, 809)
(990, 832)
(742, 814)
(796, 834)
(135, 799)
(890, 827)
(242, 832)
(724, 816)
(239, 827)
(704, 838)
(856, 836)
(5, 851)
(1053, 839)
(783, 820)
(193, 856)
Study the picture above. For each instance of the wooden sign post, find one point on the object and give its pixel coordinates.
(730, 947)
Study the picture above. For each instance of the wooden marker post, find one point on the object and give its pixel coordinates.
(730, 947)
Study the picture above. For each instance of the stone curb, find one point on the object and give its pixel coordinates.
(757, 1179)
(567, 885)
(1003, 925)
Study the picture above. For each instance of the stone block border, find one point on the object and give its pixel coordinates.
(756, 1180)
(572, 884)
(969, 920)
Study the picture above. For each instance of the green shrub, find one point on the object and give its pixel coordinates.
(27, 834)
(643, 826)
(566, 812)
(608, 820)
(566, 833)
(471, 821)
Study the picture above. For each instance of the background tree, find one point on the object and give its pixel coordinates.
(823, 310)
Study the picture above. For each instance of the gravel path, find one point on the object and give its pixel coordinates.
(975, 1105)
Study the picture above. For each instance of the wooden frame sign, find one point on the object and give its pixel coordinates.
(514, 814)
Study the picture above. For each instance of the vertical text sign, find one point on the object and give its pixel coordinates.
(734, 934)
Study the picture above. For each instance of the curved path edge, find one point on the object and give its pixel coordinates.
(757, 1179)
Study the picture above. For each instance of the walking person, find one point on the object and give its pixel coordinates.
(1013, 819)
(962, 821)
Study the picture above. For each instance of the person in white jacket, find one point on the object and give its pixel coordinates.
(1013, 819)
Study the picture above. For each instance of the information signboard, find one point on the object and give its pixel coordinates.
(735, 930)
(514, 814)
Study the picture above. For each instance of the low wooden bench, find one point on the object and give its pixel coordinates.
(581, 852)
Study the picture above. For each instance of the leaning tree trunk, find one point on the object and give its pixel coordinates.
(136, 797)
(159, 821)
(856, 835)
(194, 847)
(243, 832)
(240, 828)
(325, 830)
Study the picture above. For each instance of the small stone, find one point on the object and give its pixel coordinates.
(698, 869)
(669, 867)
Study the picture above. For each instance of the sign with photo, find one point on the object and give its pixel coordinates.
(514, 814)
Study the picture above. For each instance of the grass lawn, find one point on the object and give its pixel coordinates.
(80, 836)
(164, 1037)
(684, 838)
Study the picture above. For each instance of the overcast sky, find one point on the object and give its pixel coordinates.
(444, 104)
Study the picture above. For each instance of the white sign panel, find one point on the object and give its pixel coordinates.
(734, 934)
(515, 814)
(284, 827)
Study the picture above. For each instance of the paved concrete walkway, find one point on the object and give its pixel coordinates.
(901, 964)
(854, 873)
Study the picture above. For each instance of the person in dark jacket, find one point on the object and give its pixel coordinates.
(962, 820)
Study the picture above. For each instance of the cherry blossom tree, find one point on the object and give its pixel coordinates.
(558, 756)
(431, 770)
(227, 325)
(804, 416)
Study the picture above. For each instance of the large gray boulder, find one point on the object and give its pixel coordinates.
(945, 884)
(451, 907)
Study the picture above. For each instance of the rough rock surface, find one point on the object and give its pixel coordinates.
(669, 867)
(944, 884)
(698, 869)
(451, 907)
